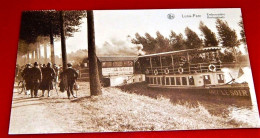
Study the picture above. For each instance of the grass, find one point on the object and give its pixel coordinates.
(116, 110)
(216, 105)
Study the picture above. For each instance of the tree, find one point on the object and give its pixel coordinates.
(162, 43)
(177, 42)
(209, 36)
(47, 23)
(193, 40)
(151, 44)
(242, 32)
(228, 37)
(95, 87)
(148, 42)
(63, 41)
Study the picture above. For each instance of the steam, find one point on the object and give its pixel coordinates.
(117, 47)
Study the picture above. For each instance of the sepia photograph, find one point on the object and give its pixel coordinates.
(86, 71)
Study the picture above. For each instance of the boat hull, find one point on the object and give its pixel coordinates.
(223, 90)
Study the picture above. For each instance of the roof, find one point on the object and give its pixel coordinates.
(206, 49)
(104, 59)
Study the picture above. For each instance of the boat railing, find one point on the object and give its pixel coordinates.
(184, 68)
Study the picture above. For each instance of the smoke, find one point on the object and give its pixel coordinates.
(117, 47)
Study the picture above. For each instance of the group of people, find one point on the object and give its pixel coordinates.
(45, 77)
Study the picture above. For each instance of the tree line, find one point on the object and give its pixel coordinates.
(227, 38)
(36, 26)
(42, 27)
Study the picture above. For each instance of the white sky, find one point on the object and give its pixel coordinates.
(118, 24)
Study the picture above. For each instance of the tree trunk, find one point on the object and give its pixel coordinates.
(95, 87)
(28, 57)
(63, 41)
(45, 54)
(36, 52)
(39, 51)
(52, 45)
(33, 56)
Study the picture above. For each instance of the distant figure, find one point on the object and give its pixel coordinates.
(48, 75)
(42, 66)
(35, 78)
(70, 76)
(26, 75)
(56, 69)
(18, 73)
(17, 69)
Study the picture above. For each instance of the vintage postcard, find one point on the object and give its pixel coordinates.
(132, 70)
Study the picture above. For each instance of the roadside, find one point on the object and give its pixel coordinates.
(113, 111)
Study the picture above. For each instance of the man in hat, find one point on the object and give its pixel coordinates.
(36, 78)
(71, 75)
(27, 76)
(48, 75)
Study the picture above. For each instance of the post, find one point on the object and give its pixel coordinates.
(51, 44)
(172, 64)
(45, 54)
(151, 65)
(188, 60)
(63, 41)
(161, 64)
(95, 86)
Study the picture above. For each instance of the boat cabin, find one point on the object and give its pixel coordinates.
(191, 67)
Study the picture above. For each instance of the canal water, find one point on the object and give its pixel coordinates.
(248, 115)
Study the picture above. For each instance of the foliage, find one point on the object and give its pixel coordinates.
(41, 23)
(162, 43)
(193, 40)
(228, 37)
(227, 56)
(151, 44)
(177, 41)
(242, 32)
(209, 36)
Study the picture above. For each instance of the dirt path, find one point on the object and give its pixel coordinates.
(31, 115)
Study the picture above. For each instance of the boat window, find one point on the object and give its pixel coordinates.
(154, 80)
(107, 64)
(191, 80)
(184, 81)
(147, 79)
(151, 80)
(128, 63)
(167, 80)
(163, 81)
(178, 81)
(172, 81)
(207, 79)
(158, 80)
(118, 64)
(220, 78)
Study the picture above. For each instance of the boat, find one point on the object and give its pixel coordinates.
(190, 70)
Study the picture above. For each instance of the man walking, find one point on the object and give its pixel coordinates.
(71, 76)
(36, 78)
(48, 75)
(26, 75)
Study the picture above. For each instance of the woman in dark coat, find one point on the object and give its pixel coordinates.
(48, 75)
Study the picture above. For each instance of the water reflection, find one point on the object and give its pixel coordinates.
(249, 114)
